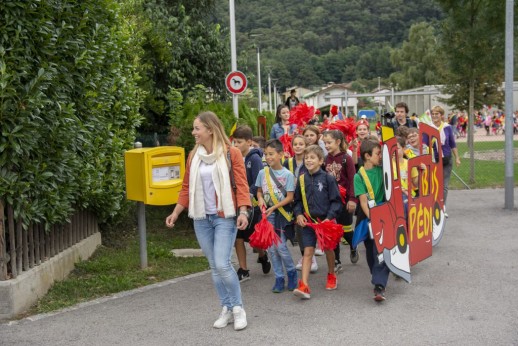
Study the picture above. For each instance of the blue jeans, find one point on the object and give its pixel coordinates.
(279, 254)
(216, 236)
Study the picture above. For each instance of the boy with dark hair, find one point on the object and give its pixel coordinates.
(318, 197)
(253, 164)
(259, 142)
(275, 187)
(368, 187)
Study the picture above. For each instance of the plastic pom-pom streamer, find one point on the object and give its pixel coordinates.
(328, 233)
(301, 114)
(264, 235)
(343, 193)
(286, 144)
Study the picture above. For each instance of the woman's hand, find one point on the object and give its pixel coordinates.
(171, 220)
(242, 221)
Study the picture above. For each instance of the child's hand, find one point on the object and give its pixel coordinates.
(269, 211)
(301, 221)
(351, 206)
(260, 203)
(354, 143)
(422, 166)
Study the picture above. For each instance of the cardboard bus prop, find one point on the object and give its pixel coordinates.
(402, 242)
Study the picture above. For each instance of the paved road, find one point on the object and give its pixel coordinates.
(465, 294)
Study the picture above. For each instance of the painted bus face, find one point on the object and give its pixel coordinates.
(402, 242)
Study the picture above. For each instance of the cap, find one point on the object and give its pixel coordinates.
(364, 116)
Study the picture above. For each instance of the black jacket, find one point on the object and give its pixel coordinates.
(323, 196)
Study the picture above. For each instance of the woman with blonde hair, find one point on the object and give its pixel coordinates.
(214, 168)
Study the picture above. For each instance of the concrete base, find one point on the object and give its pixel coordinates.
(17, 295)
(187, 252)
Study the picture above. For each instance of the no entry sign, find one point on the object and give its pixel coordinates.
(236, 82)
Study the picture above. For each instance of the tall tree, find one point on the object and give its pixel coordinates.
(416, 61)
(472, 42)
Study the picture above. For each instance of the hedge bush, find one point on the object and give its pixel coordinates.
(68, 107)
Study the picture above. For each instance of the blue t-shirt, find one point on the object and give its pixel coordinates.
(285, 178)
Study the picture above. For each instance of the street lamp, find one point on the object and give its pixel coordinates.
(258, 72)
(275, 96)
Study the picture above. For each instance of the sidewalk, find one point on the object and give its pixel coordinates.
(463, 295)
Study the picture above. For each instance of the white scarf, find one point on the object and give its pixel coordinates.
(220, 178)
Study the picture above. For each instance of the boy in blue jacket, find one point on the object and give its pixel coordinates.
(254, 164)
(317, 196)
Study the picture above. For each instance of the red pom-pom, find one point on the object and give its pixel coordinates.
(264, 235)
(301, 114)
(346, 126)
(328, 233)
(286, 144)
(343, 193)
(333, 110)
(317, 112)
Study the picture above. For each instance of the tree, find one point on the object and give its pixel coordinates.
(416, 61)
(472, 43)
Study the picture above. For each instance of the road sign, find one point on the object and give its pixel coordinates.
(236, 82)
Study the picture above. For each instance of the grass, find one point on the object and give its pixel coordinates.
(487, 173)
(115, 266)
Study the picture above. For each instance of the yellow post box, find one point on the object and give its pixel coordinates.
(154, 175)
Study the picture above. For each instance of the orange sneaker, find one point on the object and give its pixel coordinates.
(302, 291)
(331, 282)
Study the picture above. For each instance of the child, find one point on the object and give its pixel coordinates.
(371, 156)
(296, 166)
(312, 135)
(317, 196)
(253, 164)
(340, 165)
(363, 131)
(412, 146)
(403, 171)
(275, 187)
(259, 142)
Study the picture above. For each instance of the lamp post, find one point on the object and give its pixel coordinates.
(258, 72)
(269, 92)
(379, 101)
(275, 96)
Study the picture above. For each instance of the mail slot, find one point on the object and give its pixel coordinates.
(154, 175)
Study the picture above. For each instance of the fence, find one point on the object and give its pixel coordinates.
(22, 249)
(488, 152)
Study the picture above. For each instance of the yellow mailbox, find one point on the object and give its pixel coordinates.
(154, 175)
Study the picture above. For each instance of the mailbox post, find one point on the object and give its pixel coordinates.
(153, 176)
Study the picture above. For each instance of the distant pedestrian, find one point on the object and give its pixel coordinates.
(208, 195)
(293, 100)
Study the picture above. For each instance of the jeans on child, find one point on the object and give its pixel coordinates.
(216, 236)
(279, 254)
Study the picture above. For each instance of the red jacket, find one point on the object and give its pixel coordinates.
(242, 189)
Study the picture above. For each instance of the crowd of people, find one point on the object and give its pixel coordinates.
(331, 176)
(492, 121)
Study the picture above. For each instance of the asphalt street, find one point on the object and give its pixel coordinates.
(465, 294)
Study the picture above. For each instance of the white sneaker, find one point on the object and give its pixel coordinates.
(225, 317)
(239, 318)
(319, 252)
(314, 265)
(299, 264)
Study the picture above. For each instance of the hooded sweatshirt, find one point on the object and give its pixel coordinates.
(253, 165)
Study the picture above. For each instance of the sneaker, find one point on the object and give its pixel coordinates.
(331, 282)
(239, 318)
(225, 317)
(243, 275)
(379, 293)
(446, 215)
(302, 291)
(338, 266)
(314, 265)
(299, 264)
(292, 280)
(265, 263)
(278, 287)
(354, 256)
(319, 252)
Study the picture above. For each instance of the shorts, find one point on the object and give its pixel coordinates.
(247, 232)
(309, 237)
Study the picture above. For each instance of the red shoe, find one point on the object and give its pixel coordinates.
(331, 282)
(302, 291)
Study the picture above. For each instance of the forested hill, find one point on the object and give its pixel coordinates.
(311, 42)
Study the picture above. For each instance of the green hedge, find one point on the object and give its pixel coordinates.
(68, 107)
